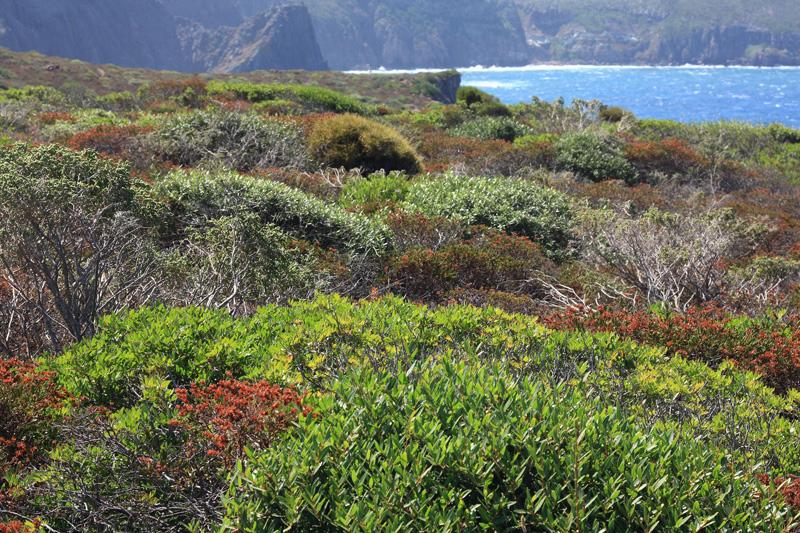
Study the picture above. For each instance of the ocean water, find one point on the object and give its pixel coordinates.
(689, 94)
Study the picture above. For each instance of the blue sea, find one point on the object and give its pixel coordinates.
(689, 94)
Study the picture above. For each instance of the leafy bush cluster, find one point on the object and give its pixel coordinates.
(351, 141)
(457, 414)
(595, 158)
(459, 447)
(512, 205)
(492, 128)
(375, 191)
(313, 98)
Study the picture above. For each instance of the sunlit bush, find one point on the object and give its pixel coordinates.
(595, 158)
(351, 141)
(513, 205)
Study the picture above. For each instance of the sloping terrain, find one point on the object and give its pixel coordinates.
(404, 90)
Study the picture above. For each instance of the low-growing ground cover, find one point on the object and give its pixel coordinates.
(453, 416)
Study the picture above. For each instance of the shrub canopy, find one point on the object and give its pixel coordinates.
(351, 142)
(593, 157)
(198, 197)
(513, 205)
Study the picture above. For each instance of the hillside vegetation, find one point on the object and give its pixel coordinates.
(77, 77)
(261, 304)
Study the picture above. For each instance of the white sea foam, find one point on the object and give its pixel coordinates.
(551, 67)
(490, 84)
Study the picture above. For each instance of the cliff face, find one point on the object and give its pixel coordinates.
(361, 34)
(726, 45)
(144, 33)
(125, 32)
(282, 38)
(659, 32)
(239, 35)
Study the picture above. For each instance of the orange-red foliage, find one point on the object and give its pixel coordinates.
(789, 487)
(225, 418)
(53, 117)
(442, 152)
(767, 347)
(27, 398)
(107, 139)
(670, 156)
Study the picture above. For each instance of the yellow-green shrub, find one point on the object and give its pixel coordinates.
(351, 141)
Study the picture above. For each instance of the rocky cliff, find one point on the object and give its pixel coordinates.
(281, 38)
(125, 32)
(716, 32)
(362, 34)
(238, 35)
(148, 33)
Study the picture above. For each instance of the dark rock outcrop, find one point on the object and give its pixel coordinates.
(282, 38)
(363, 34)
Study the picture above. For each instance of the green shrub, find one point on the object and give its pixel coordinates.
(456, 447)
(351, 142)
(181, 345)
(200, 197)
(612, 114)
(513, 205)
(310, 344)
(277, 107)
(595, 158)
(375, 191)
(491, 109)
(310, 97)
(660, 129)
(469, 96)
(305, 343)
(239, 141)
(443, 116)
(492, 128)
(34, 93)
(782, 134)
(117, 101)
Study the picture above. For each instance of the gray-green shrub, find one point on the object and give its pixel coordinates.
(199, 197)
(514, 205)
(489, 128)
(593, 157)
(239, 141)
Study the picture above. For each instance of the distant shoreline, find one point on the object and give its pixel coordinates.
(567, 66)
